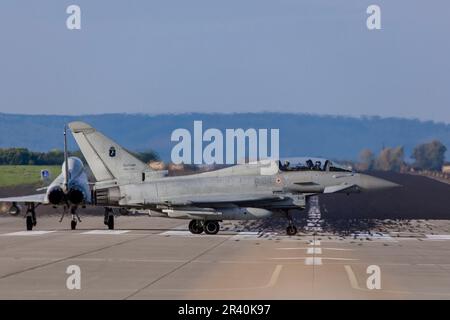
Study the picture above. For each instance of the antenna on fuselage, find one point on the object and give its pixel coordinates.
(66, 163)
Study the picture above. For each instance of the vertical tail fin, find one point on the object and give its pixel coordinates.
(66, 158)
(107, 159)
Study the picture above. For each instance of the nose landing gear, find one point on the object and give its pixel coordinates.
(291, 229)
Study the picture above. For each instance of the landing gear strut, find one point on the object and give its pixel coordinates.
(195, 226)
(30, 216)
(109, 218)
(291, 230)
(75, 217)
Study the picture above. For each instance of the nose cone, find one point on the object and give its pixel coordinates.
(369, 183)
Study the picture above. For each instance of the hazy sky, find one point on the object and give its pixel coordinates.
(160, 56)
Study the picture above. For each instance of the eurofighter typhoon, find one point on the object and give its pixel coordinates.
(241, 192)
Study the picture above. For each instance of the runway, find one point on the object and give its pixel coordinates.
(157, 258)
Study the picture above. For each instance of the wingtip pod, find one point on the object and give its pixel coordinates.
(79, 126)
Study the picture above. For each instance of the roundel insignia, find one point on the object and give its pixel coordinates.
(278, 180)
(112, 152)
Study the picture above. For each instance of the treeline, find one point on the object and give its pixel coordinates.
(428, 156)
(23, 156)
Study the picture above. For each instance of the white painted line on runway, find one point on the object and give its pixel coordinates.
(106, 232)
(373, 236)
(322, 258)
(272, 282)
(274, 278)
(253, 235)
(314, 243)
(351, 277)
(314, 251)
(27, 233)
(313, 261)
(306, 248)
(188, 234)
(437, 237)
(177, 233)
(248, 233)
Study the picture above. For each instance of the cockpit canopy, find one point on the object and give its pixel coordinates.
(311, 164)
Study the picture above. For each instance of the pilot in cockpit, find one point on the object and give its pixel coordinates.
(318, 166)
(286, 165)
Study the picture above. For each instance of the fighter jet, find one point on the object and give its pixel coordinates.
(69, 190)
(243, 192)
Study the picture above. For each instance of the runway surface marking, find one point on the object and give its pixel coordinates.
(313, 261)
(437, 236)
(106, 232)
(354, 284)
(243, 235)
(373, 236)
(310, 260)
(314, 222)
(351, 277)
(27, 233)
(310, 248)
(314, 251)
(271, 283)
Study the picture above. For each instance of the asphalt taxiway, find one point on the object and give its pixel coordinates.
(157, 258)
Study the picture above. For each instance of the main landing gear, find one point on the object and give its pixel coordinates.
(198, 226)
(30, 216)
(109, 218)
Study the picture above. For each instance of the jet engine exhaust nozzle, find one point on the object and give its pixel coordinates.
(75, 196)
(56, 196)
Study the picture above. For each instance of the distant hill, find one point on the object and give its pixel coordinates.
(300, 134)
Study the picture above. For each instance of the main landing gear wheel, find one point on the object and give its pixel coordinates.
(291, 230)
(109, 218)
(30, 216)
(29, 223)
(111, 222)
(73, 224)
(195, 227)
(212, 227)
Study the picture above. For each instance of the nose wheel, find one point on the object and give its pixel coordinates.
(291, 229)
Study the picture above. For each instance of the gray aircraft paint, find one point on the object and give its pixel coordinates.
(238, 192)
